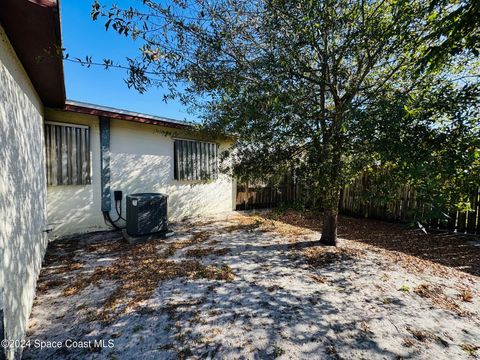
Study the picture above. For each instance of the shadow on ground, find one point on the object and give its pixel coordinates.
(271, 307)
(452, 250)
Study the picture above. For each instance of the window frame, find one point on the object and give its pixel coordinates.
(202, 160)
(68, 161)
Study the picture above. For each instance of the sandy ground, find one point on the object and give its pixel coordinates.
(245, 287)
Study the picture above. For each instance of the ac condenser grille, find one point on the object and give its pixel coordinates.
(146, 213)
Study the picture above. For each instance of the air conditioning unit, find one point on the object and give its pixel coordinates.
(146, 214)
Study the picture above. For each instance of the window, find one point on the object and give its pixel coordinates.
(68, 154)
(195, 160)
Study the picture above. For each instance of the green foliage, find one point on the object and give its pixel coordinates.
(434, 144)
(455, 29)
(322, 90)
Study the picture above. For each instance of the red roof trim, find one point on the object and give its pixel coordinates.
(122, 116)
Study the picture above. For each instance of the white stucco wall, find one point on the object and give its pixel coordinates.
(141, 161)
(77, 208)
(22, 191)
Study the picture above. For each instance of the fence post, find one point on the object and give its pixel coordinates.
(472, 215)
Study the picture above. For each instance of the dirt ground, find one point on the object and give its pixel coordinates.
(258, 287)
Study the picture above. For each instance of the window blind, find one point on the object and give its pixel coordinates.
(67, 154)
(195, 160)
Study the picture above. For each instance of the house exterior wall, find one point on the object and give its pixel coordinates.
(141, 161)
(22, 192)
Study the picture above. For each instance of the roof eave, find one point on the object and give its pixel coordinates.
(123, 115)
(33, 28)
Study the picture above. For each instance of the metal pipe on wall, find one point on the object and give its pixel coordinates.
(105, 163)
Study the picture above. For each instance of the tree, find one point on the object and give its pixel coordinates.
(455, 29)
(433, 146)
(291, 79)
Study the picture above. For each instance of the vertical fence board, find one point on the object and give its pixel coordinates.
(471, 218)
(452, 221)
(472, 215)
(461, 222)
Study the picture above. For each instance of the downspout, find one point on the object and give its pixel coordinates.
(105, 164)
(105, 174)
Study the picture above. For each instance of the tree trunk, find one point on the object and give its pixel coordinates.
(331, 196)
(330, 222)
(332, 154)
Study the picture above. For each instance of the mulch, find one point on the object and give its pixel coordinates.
(136, 270)
(421, 249)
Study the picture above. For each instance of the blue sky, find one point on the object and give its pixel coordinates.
(81, 37)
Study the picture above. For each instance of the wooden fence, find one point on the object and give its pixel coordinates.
(251, 196)
(406, 208)
(353, 203)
